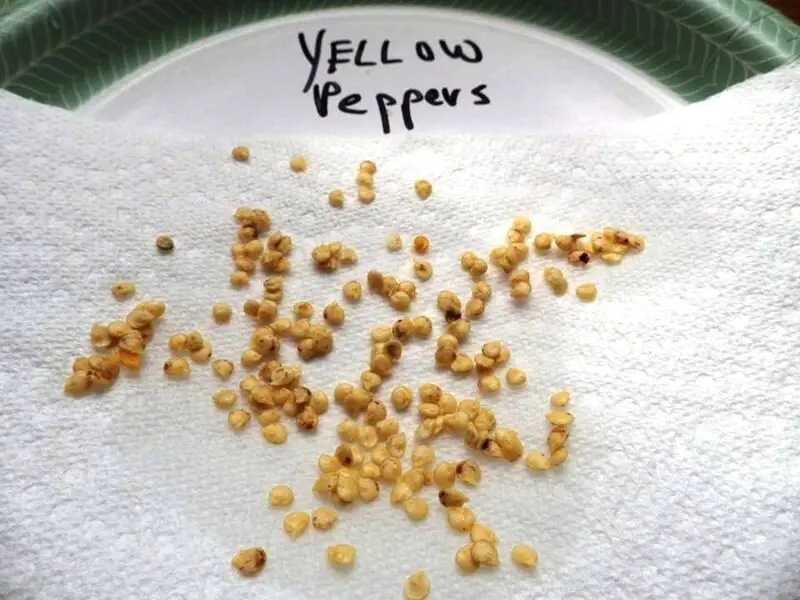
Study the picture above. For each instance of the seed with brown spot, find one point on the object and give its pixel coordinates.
(417, 586)
(122, 290)
(423, 270)
(249, 561)
(177, 368)
(468, 472)
(324, 518)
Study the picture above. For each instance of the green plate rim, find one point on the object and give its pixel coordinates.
(63, 52)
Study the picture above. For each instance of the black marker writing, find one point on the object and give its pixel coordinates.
(340, 52)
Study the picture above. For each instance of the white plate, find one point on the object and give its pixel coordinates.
(250, 80)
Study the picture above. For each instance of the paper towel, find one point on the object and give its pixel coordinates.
(684, 472)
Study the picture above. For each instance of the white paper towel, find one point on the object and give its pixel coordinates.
(684, 474)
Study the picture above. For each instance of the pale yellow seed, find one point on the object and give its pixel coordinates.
(274, 433)
(365, 178)
(324, 518)
(536, 461)
(422, 326)
(400, 493)
(464, 559)
(295, 524)
(122, 290)
(416, 508)
(524, 556)
(368, 489)
(238, 419)
(560, 399)
(368, 166)
(341, 555)
(558, 457)
(401, 397)
(336, 198)
(417, 586)
(516, 377)
(239, 279)
(221, 313)
(303, 310)
(269, 416)
(400, 301)
(298, 163)
(223, 369)
(366, 195)
(371, 470)
(543, 241)
(586, 292)
(462, 364)
(224, 398)
(423, 189)
(240, 154)
(612, 258)
(444, 475)
(394, 243)
(251, 358)
(391, 469)
(367, 436)
(482, 533)
(560, 417)
(281, 495)
(352, 291)
(347, 430)
(461, 518)
(422, 456)
(485, 554)
(489, 384)
(521, 290)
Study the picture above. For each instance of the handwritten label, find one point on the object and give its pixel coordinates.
(326, 57)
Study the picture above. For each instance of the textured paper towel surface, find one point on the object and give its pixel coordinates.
(684, 474)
